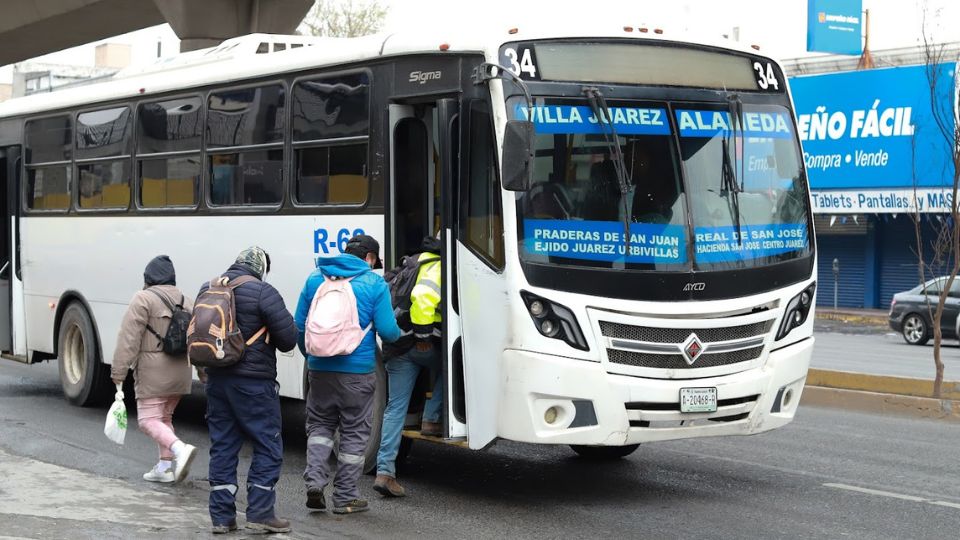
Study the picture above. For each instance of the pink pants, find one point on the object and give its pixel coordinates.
(155, 418)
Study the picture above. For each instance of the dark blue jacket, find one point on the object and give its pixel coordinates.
(373, 306)
(258, 304)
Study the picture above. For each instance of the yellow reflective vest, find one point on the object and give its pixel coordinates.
(425, 314)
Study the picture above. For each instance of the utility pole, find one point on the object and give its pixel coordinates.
(866, 59)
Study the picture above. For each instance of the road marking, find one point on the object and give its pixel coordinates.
(892, 495)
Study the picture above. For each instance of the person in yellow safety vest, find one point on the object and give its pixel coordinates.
(403, 368)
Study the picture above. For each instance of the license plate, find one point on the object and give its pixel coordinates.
(698, 400)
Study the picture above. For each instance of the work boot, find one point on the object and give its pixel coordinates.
(388, 486)
(224, 528)
(272, 525)
(315, 499)
(352, 507)
(431, 429)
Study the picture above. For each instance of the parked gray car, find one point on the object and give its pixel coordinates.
(911, 312)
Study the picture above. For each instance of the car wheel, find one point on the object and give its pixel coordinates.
(603, 453)
(915, 330)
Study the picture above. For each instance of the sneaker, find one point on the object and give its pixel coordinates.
(225, 528)
(352, 507)
(272, 525)
(315, 499)
(388, 486)
(156, 475)
(431, 429)
(184, 458)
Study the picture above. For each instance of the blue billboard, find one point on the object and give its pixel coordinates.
(876, 129)
(833, 26)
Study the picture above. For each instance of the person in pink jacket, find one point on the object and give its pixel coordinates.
(160, 379)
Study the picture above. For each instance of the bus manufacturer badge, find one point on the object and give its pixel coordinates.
(692, 349)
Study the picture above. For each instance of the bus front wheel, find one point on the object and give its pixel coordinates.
(604, 453)
(84, 379)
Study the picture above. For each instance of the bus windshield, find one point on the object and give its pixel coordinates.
(701, 196)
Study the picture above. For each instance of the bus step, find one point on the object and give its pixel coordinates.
(454, 441)
(15, 357)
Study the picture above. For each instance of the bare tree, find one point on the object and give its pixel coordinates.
(344, 18)
(946, 242)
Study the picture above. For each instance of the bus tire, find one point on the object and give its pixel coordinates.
(376, 418)
(603, 453)
(85, 380)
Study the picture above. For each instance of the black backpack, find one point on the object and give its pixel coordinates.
(401, 280)
(175, 342)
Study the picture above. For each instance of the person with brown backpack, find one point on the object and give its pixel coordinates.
(151, 342)
(239, 322)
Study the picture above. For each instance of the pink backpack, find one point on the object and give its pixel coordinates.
(333, 324)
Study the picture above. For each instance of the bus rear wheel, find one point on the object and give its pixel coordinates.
(376, 420)
(603, 453)
(84, 379)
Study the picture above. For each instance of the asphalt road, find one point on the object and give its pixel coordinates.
(883, 354)
(830, 474)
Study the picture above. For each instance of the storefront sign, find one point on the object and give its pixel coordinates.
(875, 129)
(834, 26)
(889, 201)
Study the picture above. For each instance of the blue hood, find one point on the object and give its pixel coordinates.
(342, 266)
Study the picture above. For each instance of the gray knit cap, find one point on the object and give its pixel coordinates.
(255, 259)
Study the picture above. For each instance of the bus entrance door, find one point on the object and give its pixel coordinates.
(9, 163)
(424, 137)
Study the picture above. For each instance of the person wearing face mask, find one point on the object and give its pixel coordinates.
(243, 402)
(341, 387)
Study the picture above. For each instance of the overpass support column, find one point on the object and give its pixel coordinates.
(207, 23)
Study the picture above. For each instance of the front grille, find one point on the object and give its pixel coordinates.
(676, 361)
(652, 334)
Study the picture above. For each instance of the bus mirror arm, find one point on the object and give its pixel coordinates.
(518, 136)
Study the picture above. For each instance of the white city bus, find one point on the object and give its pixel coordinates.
(559, 327)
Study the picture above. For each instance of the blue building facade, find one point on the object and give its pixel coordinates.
(878, 146)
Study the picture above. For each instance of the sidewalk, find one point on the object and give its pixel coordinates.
(47, 501)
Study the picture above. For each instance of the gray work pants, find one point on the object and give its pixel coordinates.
(335, 401)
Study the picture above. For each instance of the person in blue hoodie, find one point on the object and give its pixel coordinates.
(341, 389)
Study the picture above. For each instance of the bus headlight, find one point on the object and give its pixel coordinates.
(797, 311)
(554, 321)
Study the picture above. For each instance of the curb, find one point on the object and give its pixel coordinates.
(890, 404)
(872, 320)
(881, 384)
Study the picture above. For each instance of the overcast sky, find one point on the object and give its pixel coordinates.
(778, 26)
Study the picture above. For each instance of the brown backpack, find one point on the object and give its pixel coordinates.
(213, 337)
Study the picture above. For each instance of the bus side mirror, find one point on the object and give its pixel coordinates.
(518, 139)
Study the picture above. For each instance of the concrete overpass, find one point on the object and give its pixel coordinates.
(30, 28)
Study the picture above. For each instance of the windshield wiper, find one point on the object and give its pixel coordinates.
(730, 187)
(599, 106)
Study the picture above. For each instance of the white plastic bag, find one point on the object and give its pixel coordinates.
(115, 427)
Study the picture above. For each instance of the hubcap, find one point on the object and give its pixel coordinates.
(74, 356)
(913, 329)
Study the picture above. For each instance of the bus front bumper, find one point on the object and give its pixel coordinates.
(554, 400)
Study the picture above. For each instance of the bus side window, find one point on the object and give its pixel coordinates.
(331, 121)
(251, 119)
(104, 183)
(169, 127)
(49, 150)
(483, 216)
